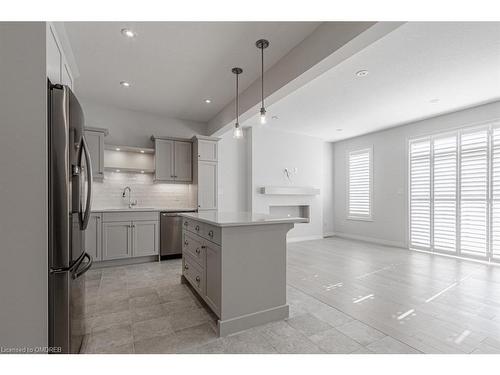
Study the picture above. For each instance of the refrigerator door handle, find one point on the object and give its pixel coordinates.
(87, 266)
(88, 161)
(74, 266)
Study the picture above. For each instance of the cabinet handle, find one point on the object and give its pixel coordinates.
(186, 267)
(197, 228)
(185, 223)
(197, 250)
(211, 233)
(203, 247)
(185, 243)
(198, 279)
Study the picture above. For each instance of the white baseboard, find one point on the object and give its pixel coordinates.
(328, 234)
(377, 241)
(303, 238)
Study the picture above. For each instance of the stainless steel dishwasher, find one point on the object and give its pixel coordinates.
(171, 234)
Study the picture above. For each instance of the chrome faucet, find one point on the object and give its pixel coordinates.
(130, 202)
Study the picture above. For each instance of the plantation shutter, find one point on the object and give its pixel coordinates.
(420, 194)
(495, 193)
(445, 193)
(474, 193)
(359, 204)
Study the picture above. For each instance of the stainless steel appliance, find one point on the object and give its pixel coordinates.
(70, 198)
(171, 234)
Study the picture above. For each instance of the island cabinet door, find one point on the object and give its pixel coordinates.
(117, 240)
(145, 238)
(213, 276)
(207, 185)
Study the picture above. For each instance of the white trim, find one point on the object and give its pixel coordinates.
(328, 234)
(304, 238)
(377, 241)
(350, 152)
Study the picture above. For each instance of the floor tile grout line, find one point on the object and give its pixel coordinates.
(352, 317)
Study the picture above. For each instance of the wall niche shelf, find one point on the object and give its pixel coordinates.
(302, 211)
(128, 159)
(289, 190)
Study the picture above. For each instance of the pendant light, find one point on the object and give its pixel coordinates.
(237, 132)
(262, 44)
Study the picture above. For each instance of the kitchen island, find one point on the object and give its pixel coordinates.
(236, 262)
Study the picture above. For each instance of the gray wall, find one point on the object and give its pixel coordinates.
(390, 170)
(23, 186)
(132, 128)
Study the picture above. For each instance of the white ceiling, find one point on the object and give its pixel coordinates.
(174, 66)
(456, 63)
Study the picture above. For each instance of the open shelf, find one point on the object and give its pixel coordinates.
(289, 190)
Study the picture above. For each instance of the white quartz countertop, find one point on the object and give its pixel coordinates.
(234, 219)
(141, 209)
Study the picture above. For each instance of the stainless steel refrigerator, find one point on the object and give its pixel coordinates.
(70, 199)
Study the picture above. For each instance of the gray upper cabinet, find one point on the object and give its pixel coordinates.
(58, 70)
(205, 170)
(173, 160)
(164, 160)
(54, 57)
(207, 150)
(95, 141)
(183, 161)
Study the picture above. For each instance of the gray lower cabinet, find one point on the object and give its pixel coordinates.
(127, 235)
(117, 240)
(202, 262)
(145, 238)
(95, 142)
(93, 236)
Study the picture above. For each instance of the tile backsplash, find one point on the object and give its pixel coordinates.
(108, 193)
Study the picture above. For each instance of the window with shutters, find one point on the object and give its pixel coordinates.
(454, 192)
(359, 205)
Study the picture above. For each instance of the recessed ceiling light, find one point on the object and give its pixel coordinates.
(118, 170)
(142, 151)
(275, 117)
(142, 171)
(208, 101)
(117, 149)
(125, 83)
(339, 130)
(435, 100)
(362, 73)
(129, 33)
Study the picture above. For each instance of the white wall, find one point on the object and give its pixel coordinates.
(23, 186)
(390, 170)
(327, 189)
(132, 128)
(232, 173)
(271, 152)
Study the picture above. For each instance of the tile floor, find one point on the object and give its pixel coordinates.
(345, 297)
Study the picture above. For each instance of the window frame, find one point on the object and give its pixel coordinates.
(350, 216)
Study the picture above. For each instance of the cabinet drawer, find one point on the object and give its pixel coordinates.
(193, 226)
(129, 216)
(193, 245)
(211, 233)
(193, 273)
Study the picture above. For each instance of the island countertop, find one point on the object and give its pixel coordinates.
(234, 219)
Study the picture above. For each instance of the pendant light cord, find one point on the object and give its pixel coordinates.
(237, 101)
(262, 75)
